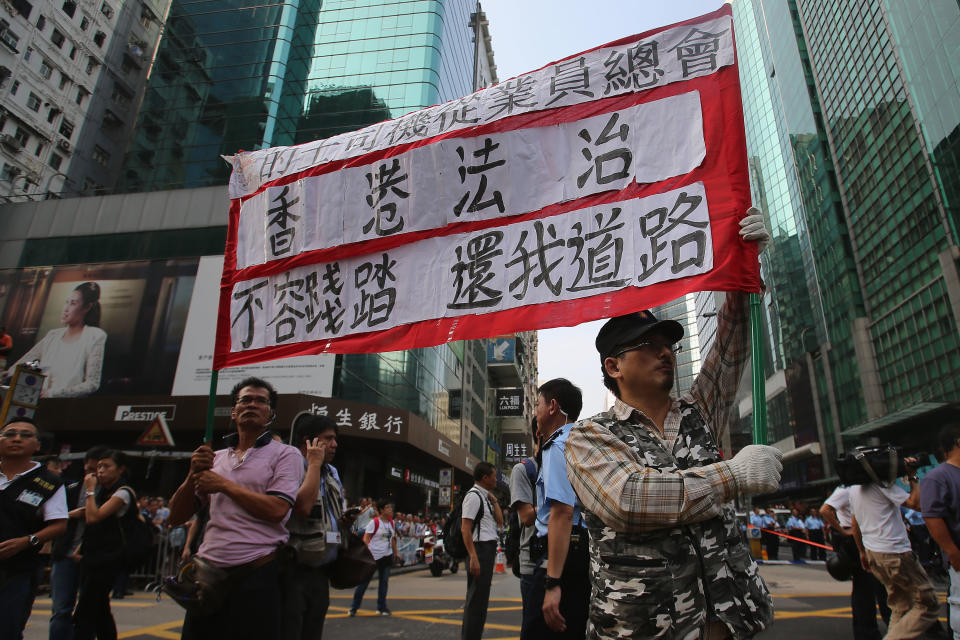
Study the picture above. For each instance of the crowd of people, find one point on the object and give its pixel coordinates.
(628, 526)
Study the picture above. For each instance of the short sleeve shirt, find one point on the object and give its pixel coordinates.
(487, 531)
(840, 501)
(233, 536)
(522, 491)
(813, 523)
(877, 510)
(940, 497)
(553, 484)
(382, 534)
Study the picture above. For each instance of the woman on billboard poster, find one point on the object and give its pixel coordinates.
(72, 356)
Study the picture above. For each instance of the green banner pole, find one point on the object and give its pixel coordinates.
(759, 384)
(211, 405)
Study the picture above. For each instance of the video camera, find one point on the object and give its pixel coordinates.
(867, 465)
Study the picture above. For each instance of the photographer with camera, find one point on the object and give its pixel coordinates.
(885, 551)
(868, 593)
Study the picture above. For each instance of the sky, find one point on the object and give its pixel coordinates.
(526, 35)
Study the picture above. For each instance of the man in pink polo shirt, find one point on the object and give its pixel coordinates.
(250, 487)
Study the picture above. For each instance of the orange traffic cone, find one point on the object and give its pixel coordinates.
(501, 561)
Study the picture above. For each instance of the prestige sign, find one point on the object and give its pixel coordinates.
(144, 413)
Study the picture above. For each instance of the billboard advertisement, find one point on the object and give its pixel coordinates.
(509, 402)
(112, 328)
(136, 328)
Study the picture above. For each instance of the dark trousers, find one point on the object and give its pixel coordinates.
(251, 610)
(93, 617)
(64, 579)
(384, 565)
(574, 598)
(478, 592)
(817, 553)
(772, 544)
(306, 598)
(17, 591)
(531, 592)
(796, 546)
(867, 596)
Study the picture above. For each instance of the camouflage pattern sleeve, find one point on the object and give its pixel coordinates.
(715, 387)
(614, 483)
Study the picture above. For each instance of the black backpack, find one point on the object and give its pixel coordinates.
(453, 535)
(514, 528)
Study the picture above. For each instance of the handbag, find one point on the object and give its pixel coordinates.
(354, 564)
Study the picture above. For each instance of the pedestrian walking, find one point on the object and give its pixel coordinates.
(523, 483)
(885, 551)
(33, 511)
(250, 487)
(381, 537)
(666, 556)
(481, 545)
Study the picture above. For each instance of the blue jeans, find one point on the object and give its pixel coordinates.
(16, 600)
(953, 599)
(383, 575)
(64, 579)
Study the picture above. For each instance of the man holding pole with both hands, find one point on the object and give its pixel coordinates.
(667, 558)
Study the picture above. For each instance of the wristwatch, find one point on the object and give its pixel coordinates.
(35, 542)
(550, 583)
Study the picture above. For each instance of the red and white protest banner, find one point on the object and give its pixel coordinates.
(610, 181)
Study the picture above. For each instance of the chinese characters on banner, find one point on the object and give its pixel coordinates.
(607, 182)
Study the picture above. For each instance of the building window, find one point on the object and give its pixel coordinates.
(145, 19)
(120, 96)
(45, 69)
(92, 64)
(41, 22)
(9, 173)
(100, 156)
(84, 23)
(64, 79)
(52, 114)
(57, 38)
(70, 8)
(8, 37)
(22, 136)
(73, 52)
(106, 10)
(81, 95)
(66, 129)
(126, 66)
(99, 38)
(14, 87)
(33, 102)
(23, 7)
(55, 161)
(27, 54)
(39, 149)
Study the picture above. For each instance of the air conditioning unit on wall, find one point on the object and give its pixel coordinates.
(63, 145)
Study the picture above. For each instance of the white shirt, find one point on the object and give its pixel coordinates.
(380, 542)
(878, 514)
(487, 531)
(840, 501)
(53, 509)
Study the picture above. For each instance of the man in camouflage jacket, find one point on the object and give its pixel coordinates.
(667, 559)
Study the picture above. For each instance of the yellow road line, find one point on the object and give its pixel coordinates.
(350, 597)
(488, 625)
(153, 630)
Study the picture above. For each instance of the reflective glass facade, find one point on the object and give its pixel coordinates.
(851, 111)
(240, 75)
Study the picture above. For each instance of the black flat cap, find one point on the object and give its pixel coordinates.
(623, 330)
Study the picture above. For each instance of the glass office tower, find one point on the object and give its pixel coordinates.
(851, 111)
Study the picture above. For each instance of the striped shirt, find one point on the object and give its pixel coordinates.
(611, 478)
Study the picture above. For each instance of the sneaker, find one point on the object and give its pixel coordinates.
(384, 612)
(353, 612)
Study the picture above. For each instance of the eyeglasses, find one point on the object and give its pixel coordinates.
(650, 348)
(13, 433)
(253, 400)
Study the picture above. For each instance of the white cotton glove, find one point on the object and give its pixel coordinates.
(753, 229)
(757, 469)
